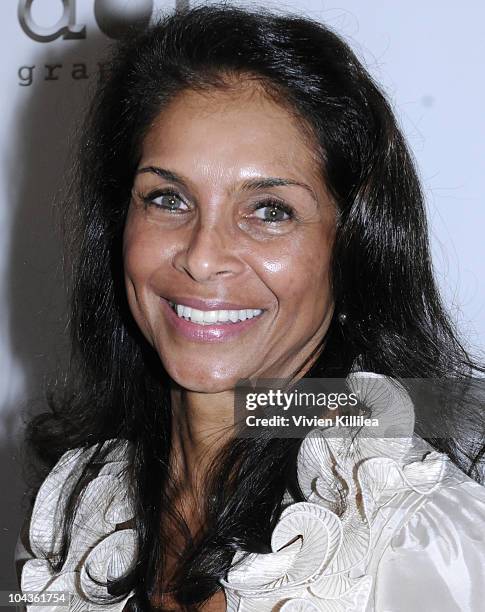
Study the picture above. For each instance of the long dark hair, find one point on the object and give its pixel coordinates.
(382, 274)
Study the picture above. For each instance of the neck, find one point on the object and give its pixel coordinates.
(201, 424)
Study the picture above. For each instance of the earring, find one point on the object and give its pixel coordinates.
(342, 318)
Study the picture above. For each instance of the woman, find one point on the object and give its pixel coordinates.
(246, 208)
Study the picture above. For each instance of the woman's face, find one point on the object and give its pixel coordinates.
(231, 222)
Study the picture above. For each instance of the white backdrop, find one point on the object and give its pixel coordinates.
(429, 57)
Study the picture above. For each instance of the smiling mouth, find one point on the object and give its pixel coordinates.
(212, 317)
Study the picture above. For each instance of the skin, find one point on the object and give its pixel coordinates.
(217, 246)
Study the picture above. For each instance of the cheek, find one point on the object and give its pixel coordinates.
(301, 278)
(142, 253)
(141, 262)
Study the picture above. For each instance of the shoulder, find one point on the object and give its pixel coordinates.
(95, 541)
(436, 560)
(367, 498)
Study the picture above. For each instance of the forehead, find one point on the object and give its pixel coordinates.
(227, 128)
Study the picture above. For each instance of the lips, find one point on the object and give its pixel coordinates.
(208, 317)
(215, 323)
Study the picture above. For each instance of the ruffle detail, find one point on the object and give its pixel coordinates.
(321, 548)
(319, 553)
(98, 552)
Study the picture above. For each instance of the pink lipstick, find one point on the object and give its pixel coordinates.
(213, 331)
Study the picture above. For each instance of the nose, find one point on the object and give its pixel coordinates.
(209, 253)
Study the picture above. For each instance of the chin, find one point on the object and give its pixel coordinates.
(205, 386)
(204, 380)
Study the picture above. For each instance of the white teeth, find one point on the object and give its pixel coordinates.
(233, 315)
(223, 315)
(207, 317)
(197, 316)
(210, 316)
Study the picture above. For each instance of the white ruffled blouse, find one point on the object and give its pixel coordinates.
(410, 539)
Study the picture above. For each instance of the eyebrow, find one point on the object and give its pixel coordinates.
(247, 185)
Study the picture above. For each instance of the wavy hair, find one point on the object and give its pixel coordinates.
(382, 276)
